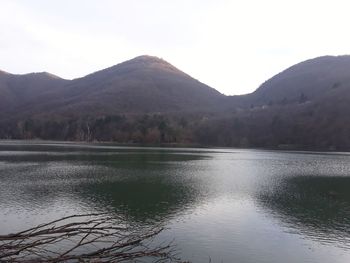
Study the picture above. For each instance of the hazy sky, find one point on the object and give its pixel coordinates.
(232, 46)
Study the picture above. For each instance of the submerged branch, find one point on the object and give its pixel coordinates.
(85, 238)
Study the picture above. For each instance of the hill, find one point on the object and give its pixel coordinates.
(308, 80)
(306, 106)
(144, 84)
(147, 100)
(19, 90)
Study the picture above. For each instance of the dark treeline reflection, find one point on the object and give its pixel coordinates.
(143, 186)
(142, 201)
(148, 188)
(315, 206)
(225, 204)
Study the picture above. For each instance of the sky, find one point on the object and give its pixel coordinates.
(232, 46)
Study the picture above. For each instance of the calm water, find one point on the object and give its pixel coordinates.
(220, 204)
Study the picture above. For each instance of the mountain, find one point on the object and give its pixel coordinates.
(306, 106)
(308, 80)
(19, 90)
(141, 85)
(147, 100)
(144, 84)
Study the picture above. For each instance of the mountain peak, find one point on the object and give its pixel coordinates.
(147, 60)
(147, 57)
(3, 72)
(144, 63)
(45, 74)
(142, 84)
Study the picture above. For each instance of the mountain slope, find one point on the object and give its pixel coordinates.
(142, 85)
(305, 106)
(19, 90)
(308, 80)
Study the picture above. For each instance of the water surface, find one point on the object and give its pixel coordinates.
(221, 204)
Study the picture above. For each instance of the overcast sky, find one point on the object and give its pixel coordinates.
(232, 46)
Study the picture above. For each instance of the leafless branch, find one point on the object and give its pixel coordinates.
(86, 238)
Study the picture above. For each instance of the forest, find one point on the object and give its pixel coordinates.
(148, 101)
(310, 127)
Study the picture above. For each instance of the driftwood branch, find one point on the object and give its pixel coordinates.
(85, 238)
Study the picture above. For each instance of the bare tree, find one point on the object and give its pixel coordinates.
(86, 238)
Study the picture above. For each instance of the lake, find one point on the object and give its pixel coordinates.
(223, 205)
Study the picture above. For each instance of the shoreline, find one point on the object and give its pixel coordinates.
(282, 148)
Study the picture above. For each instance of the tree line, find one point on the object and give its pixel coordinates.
(315, 127)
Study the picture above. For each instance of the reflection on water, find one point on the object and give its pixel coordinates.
(144, 186)
(151, 192)
(315, 206)
(227, 205)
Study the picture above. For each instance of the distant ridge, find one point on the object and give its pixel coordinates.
(141, 85)
(148, 100)
(312, 78)
(43, 74)
(19, 90)
(3, 72)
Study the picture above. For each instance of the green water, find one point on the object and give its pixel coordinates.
(223, 205)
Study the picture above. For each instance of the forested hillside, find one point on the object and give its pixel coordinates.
(147, 100)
